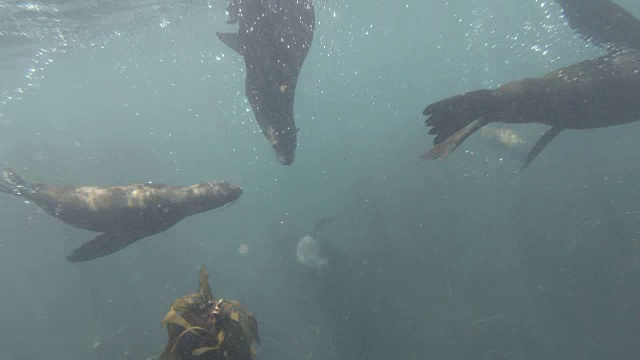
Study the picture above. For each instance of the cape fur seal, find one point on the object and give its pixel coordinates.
(124, 214)
(602, 22)
(601, 92)
(274, 38)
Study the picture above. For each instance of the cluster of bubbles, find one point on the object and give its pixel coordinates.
(33, 34)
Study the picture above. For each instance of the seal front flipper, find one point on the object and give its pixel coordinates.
(232, 40)
(104, 244)
(540, 145)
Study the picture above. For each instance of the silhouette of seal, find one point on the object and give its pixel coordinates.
(124, 214)
(596, 93)
(603, 23)
(274, 38)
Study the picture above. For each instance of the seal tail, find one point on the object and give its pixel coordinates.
(13, 184)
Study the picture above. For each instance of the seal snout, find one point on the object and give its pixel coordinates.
(223, 188)
(285, 149)
(285, 160)
(234, 191)
(217, 190)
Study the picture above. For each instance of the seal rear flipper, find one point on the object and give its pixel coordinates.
(232, 40)
(602, 22)
(446, 147)
(13, 184)
(548, 136)
(448, 116)
(103, 245)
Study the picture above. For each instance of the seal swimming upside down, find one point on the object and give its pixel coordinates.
(124, 214)
(596, 93)
(274, 37)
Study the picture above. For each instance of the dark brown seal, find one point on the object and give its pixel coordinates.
(274, 37)
(596, 93)
(602, 22)
(124, 214)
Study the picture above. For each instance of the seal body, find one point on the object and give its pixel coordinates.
(124, 214)
(595, 93)
(274, 37)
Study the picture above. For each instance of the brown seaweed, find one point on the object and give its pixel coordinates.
(201, 327)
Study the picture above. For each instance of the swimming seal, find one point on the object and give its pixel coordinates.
(124, 214)
(274, 38)
(596, 93)
(603, 23)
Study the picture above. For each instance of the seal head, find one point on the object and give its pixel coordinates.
(210, 195)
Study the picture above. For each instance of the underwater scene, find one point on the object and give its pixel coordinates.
(320, 179)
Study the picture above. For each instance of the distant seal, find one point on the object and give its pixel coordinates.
(274, 37)
(603, 23)
(596, 93)
(124, 214)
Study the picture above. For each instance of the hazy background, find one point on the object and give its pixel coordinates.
(461, 259)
